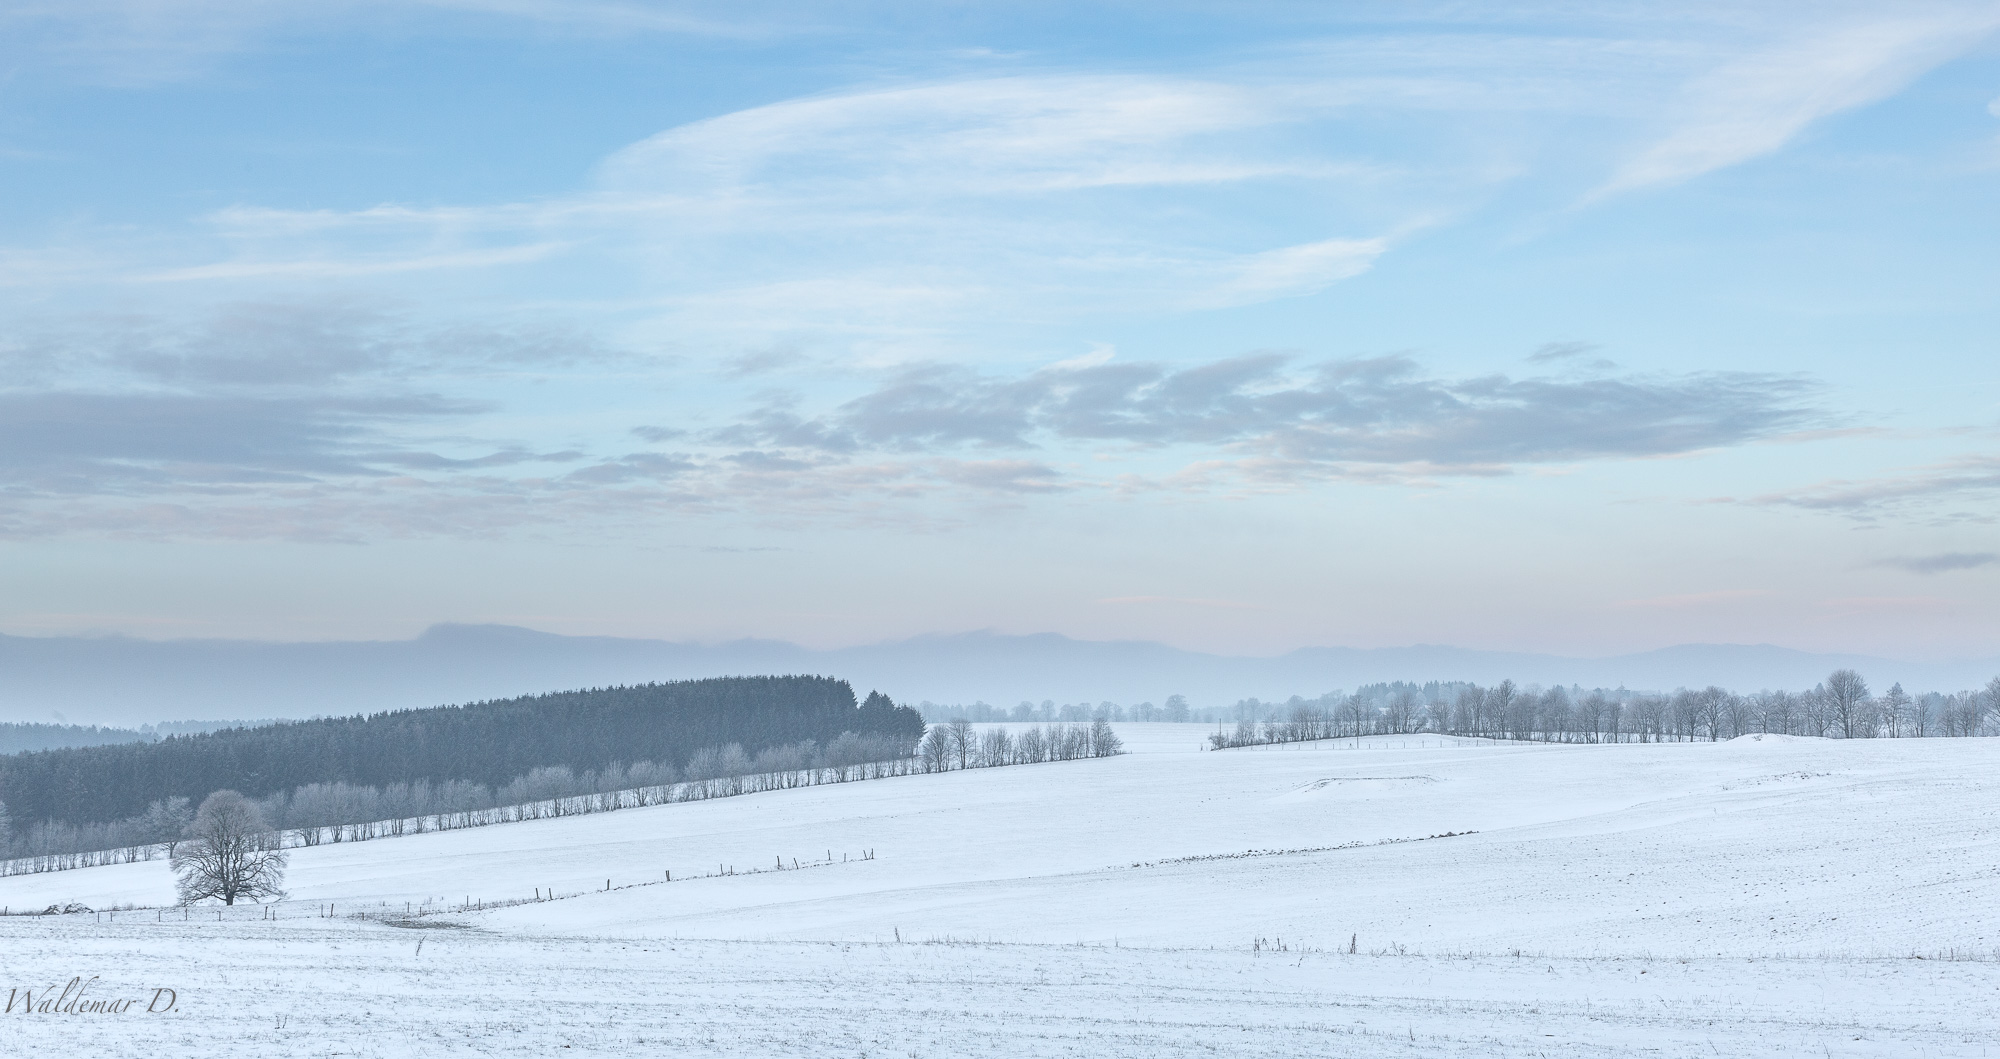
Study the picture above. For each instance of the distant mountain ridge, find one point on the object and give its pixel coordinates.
(117, 680)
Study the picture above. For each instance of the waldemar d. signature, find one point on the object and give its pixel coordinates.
(75, 998)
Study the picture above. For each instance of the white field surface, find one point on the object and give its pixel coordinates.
(1757, 897)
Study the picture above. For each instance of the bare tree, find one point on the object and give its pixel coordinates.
(1683, 711)
(1847, 702)
(229, 853)
(1709, 706)
(1468, 710)
(1738, 714)
(1555, 715)
(996, 747)
(1354, 715)
(1246, 733)
(1815, 711)
(1498, 704)
(1438, 715)
(964, 743)
(1649, 713)
(1896, 709)
(935, 750)
(1951, 714)
(167, 821)
(1300, 725)
(1103, 741)
(1590, 716)
(1402, 712)
(1962, 713)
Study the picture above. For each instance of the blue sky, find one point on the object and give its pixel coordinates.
(1574, 328)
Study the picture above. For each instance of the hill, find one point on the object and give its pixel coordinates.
(482, 743)
(1408, 897)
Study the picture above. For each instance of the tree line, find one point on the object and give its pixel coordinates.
(956, 744)
(20, 736)
(486, 743)
(1174, 710)
(1841, 706)
(327, 813)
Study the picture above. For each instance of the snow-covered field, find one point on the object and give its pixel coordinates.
(1397, 897)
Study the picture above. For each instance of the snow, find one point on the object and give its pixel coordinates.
(1769, 896)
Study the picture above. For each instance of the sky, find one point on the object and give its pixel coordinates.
(1577, 328)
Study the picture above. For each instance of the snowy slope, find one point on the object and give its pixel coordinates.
(252, 989)
(1740, 848)
(1758, 897)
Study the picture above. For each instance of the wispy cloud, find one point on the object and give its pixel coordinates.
(1944, 562)
(1550, 352)
(719, 20)
(109, 443)
(1376, 411)
(862, 246)
(1294, 270)
(1008, 476)
(891, 219)
(251, 345)
(318, 422)
(148, 42)
(1754, 105)
(326, 416)
(338, 269)
(1921, 489)
(256, 396)
(922, 206)
(1007, 135)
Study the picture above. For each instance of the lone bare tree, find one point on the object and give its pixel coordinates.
(229, 853)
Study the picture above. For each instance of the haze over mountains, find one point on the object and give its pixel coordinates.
(116, 680)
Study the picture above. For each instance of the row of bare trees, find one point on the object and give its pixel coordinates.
(1175, 711)
(957, 744)
(1840, 706)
